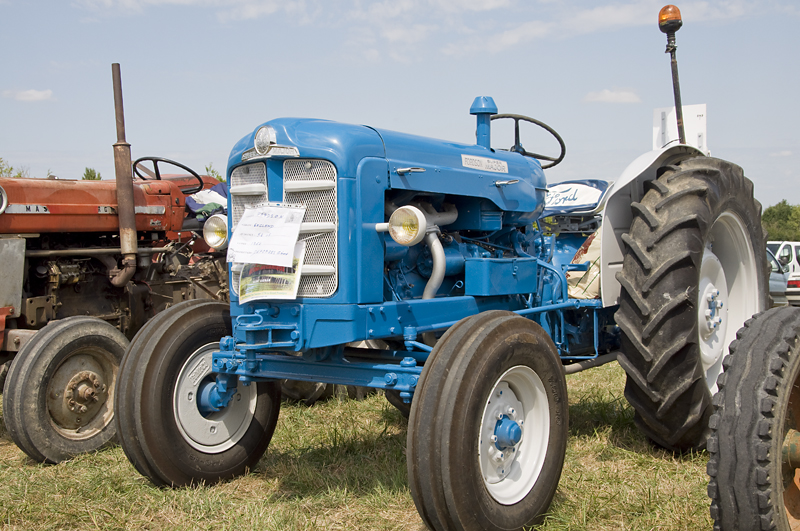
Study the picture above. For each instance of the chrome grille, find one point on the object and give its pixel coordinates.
(244, 175)
(321, 207)
(251, 174)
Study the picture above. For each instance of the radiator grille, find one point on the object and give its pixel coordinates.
(321, 206)
(249, 174)
(243, 175)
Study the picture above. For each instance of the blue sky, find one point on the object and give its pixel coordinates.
(198, 75)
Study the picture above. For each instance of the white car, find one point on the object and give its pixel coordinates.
(788, 254)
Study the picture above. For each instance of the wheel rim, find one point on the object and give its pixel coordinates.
(216, 432)
(80, 394)
(514, 433)
(790, 455)
(727, 294)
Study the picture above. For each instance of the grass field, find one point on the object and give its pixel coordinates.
(341, 465)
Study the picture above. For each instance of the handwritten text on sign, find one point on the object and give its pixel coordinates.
(267, 235)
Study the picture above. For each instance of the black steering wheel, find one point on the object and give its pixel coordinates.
(157, 173)
(517, 147)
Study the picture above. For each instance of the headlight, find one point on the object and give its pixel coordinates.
(3, 200)
(265, 138)
(215, 231)
(407, 225)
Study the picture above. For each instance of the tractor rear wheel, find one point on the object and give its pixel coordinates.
(694, 271)
(162, 430)
(488, 427)
(58, 398)
(754, 446)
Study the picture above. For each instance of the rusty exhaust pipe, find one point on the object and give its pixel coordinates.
(124, 175)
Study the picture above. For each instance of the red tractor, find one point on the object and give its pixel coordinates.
(84, 265)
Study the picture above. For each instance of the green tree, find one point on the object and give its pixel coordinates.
(782, 222)
(211, 172)
(90, 174)
(6, 170)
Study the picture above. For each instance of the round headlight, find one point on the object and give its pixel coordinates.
(407, 225)
(265, 139)
(215, 231)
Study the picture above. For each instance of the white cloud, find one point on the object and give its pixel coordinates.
(561, 19)
(609, 17)
(785, 153)
(612, 96)
(412, 34)
(227, 10)
(471, 5)
(28, 95)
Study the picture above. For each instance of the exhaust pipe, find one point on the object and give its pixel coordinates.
(124, 175)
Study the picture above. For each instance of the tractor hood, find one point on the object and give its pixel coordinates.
(512, 182)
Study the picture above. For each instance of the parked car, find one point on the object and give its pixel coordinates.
(788, 254)
(778, 281)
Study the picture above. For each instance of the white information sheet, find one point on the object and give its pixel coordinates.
(267, 235)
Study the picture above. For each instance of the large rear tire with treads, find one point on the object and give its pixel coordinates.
(694, 271)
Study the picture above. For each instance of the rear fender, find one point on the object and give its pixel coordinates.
(617, 215)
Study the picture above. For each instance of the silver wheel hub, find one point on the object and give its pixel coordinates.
(712, 311)
(513, 436)
(215, 432)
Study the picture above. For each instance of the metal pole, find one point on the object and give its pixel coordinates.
(676, 86)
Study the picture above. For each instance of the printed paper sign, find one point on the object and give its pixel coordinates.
(260, 282)
(267, 235)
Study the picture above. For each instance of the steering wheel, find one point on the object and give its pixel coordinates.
(157, 174)
(517, 147)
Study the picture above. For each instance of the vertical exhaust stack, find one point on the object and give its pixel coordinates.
(124, 175)
(669, 21)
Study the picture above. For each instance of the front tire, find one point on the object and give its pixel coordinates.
(694, 271)
(488, 427)
(162, 431)
(58, 398)
(754, 442)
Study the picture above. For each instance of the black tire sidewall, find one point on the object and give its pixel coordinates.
(169, 455)
(514, 342)
(747, 428)
(670, 411)
(59, 343)
(125, 398)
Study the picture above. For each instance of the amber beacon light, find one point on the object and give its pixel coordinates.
(669, 19)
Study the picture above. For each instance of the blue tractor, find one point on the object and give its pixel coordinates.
(453, 277)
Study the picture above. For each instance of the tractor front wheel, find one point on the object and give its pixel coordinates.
(165, 432)
(58, 396)
(488, 427)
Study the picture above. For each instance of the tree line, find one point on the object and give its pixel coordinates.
(782, 222)
(89, 174)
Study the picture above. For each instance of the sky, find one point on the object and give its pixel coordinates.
(197, 75)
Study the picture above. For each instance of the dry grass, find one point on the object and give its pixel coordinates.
(341, 465)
